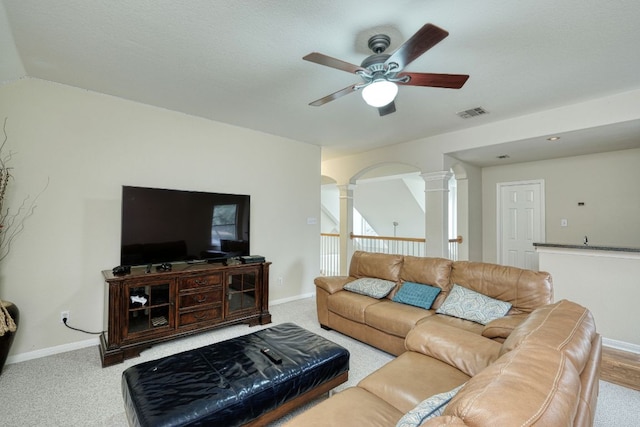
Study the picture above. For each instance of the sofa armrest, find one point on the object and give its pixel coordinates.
(332, 284)
(464, 350)
(503, 326)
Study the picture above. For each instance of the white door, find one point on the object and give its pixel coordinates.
(520, 222)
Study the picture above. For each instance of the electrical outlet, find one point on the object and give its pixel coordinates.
(280, 281)
(64, 315)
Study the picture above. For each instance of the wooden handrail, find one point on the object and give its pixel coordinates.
(399, 239)
(458, 239)
(330, 234)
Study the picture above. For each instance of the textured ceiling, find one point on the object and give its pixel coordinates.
(240, 62)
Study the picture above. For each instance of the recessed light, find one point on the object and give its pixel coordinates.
(553, 138)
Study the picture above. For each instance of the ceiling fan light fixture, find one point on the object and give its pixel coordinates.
(379, 93)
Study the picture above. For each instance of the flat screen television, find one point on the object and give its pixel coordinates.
(161, 225)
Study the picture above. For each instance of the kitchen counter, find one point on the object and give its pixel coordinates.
(587, 247)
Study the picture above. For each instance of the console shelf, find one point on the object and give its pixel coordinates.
(142, 308)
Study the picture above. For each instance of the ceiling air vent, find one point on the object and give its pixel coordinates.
(467, 114)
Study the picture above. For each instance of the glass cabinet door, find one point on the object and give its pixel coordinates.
(149, 307)
(241, 291)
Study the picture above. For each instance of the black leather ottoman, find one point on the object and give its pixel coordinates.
(233, 382)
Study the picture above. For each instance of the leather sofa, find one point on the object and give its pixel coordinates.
(537, 365)
(545, 373)
(384, 323)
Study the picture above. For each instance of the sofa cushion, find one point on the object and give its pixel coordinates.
(427, 409)
(410, 378)
(435, 271)
(464, 350)
(503, 326)
(371, 264)
(394, 318)
(350, 305)
(465, 325)
(564, 326)
(526, 290)
(417, 294)
(372, 287)
(470, 305)
(531, 385)
(351, 407)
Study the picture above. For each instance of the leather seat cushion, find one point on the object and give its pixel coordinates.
(394, 318)
(351, 407)
(350, 305)
(410, 378)
(463, 324)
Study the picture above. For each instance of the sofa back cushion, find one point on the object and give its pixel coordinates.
(430, 271)
(564, 326)
(371, 264)
(526, 290)
(531, 385)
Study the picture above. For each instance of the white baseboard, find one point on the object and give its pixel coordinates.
(22, 357)
(295, 298)
(621, 345)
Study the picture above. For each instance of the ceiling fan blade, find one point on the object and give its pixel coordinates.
(387, 109)
(346, 91)
(426, 37)
(449, 81)
(322, 59)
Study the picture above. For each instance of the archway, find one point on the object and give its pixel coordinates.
(387, 199)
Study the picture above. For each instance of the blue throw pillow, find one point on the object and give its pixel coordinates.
(417, 294)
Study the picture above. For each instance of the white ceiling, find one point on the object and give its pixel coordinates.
(240, 62)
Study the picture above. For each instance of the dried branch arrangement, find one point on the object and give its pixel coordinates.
(11, 221)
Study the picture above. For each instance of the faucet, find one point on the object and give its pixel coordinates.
(586, 240)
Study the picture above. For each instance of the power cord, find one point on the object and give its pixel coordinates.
(64, 320)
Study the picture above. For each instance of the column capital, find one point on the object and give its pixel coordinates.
(436, 181)
(346, 190)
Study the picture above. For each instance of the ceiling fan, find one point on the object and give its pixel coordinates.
(381, 73)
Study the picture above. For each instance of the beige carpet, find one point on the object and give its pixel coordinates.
(72, 389)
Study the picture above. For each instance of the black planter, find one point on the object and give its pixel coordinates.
(7, 339)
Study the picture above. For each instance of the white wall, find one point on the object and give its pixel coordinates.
(88, 145)
(607, 183)
(330, 202)
(11, 67)
(381, 202)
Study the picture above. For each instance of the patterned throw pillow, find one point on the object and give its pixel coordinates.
(470, 305)
(428, 408)
(417, 294)
(372, 287)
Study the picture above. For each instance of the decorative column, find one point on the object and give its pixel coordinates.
(437, 213)
(346, 225)
(462, 204)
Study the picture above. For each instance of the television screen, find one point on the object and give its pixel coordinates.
(160, 225)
